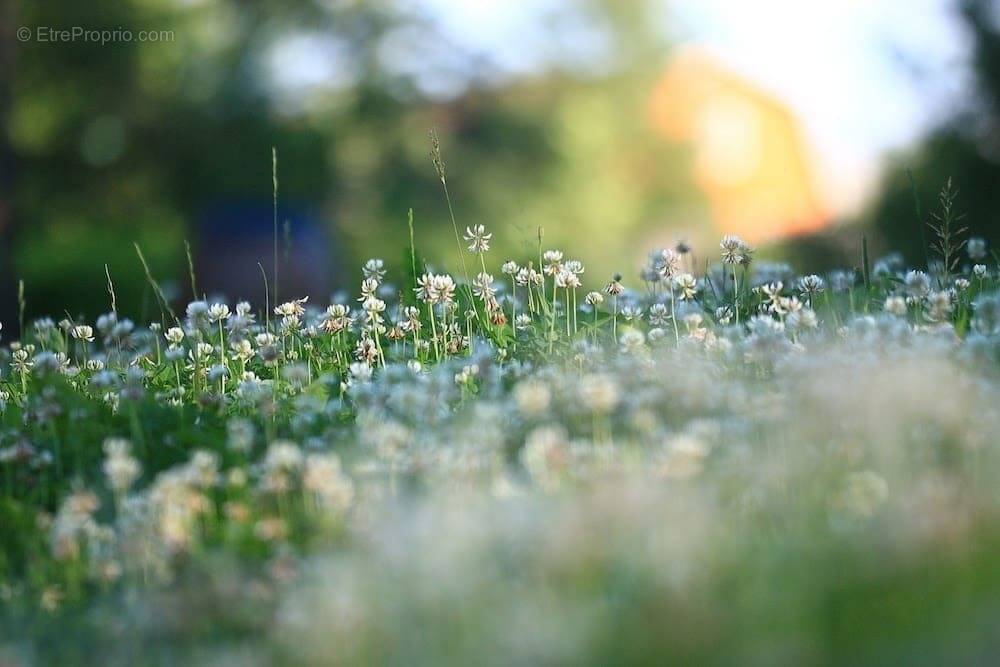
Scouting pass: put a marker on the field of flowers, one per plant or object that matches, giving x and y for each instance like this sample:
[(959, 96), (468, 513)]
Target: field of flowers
[(718, 461)]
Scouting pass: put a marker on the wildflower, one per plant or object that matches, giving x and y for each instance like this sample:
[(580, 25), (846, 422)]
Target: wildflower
[(283, 459), (546, 455), (369, 287), (532, 398), (218, 312), (240, 434), (373, 308), (895, 305), (567, 279), (734, 249), (292, 308), (174, 335), (962, 284), (509, 267), (939, 305), (668, 263), (659, 315), (553, 261), (615, 288), (803, 318), (687, 284), (841, 281), (197, 314), (337, 318), (322, 475), (594, 299), (632, 341), (976, 247), (631, 313), (478, 239), (360, 371), (468, 374), (120, 467), (599, 393), (74, 524), (987, 314), (83, 332), (522, 321), (374, 269), (528, 276), (810, 285), (979, 270), (917, 283), (482, 286), (20, 361), (366, 350)]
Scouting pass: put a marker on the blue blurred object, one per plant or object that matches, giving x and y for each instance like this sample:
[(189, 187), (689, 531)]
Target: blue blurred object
[(233, 237)]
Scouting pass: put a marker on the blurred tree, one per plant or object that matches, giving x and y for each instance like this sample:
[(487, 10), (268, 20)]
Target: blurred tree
[(159, 141), (966, 149)]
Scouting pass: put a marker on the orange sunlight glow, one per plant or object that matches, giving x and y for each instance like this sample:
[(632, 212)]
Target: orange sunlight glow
[(749, 156)]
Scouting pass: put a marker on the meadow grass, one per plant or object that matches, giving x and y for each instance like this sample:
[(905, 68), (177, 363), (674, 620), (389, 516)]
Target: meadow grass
[(730, 463)]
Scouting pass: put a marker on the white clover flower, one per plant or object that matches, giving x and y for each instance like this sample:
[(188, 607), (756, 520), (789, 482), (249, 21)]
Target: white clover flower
[(83, 332), (120, 468), (369, 286), (482, 286), (360, 371), (668, 263), (265, 339), (632, 340), (734, 249), (614, 287), (553, 262), (174, 335), (917, 283), (478, 239), (979, 270), (594, 298), (599, 392), (565, 278), (323, 476), (546, 455), (509, 267), (373, 306), (631, 313), (976, 247), (374, 269), (687, 284), (292, 308), (810, 285), (218, 312), (659, 314), (895, 305), (532, 398), (803, 318)]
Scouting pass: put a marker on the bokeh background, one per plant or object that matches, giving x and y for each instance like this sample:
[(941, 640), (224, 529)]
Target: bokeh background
[(615, 125)]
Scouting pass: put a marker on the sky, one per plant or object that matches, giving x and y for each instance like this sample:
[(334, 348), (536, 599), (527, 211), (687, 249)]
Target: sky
[(865, 77)]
